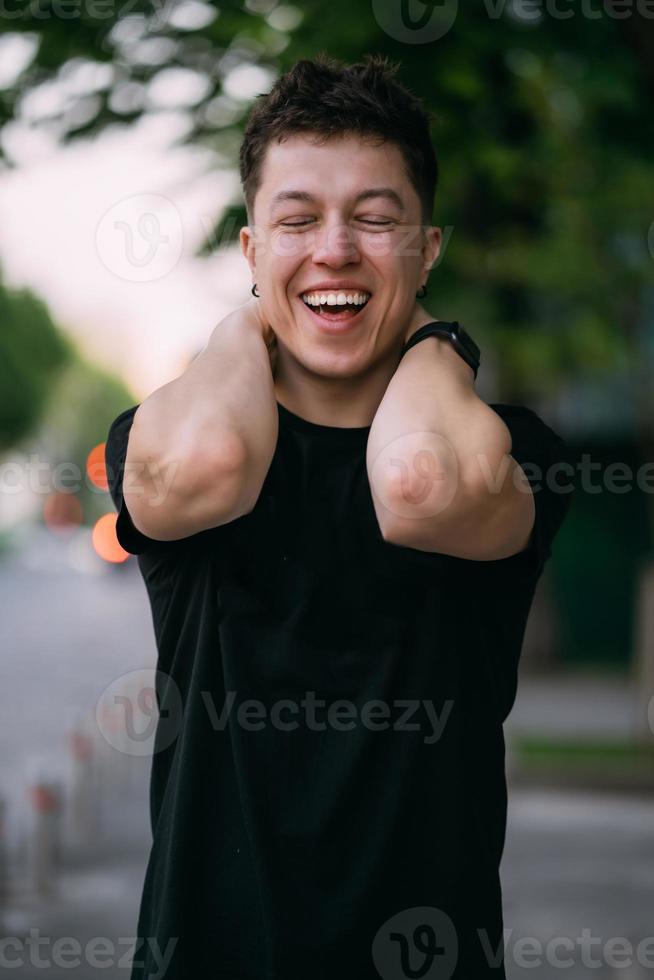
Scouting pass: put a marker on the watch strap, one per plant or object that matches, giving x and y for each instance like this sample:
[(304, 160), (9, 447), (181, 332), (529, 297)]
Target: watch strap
[(460, 339)]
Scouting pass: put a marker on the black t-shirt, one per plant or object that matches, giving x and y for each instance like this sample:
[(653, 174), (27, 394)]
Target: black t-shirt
[(333, 804)]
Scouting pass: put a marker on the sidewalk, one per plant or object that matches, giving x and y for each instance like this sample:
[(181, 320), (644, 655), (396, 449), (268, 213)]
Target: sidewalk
[(579, 730), (575, 704), (91, 912)]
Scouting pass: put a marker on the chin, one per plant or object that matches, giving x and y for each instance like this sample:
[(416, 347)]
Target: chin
[(329, 364)]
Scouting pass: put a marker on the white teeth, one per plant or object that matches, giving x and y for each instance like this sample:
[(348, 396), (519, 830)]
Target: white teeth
[(335, 299)]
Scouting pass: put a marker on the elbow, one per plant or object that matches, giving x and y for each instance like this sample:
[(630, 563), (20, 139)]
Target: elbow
[(184, 493), (414, 492)]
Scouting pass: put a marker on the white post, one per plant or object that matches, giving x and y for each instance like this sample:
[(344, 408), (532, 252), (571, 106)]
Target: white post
[(81, 796), (4, 864), (44, 795), (644, 658)]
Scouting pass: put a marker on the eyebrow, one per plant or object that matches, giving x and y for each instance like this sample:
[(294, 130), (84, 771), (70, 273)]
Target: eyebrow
[(386, 192)]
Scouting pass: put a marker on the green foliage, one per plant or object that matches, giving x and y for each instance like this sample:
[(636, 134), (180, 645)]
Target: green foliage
[(541, 131), (81, 407), (50, 394), (32, 354)]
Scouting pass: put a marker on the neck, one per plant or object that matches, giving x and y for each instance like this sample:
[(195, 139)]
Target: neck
[(344, 402)]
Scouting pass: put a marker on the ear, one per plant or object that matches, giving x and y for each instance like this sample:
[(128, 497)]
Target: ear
[(247, 240), (431, 248)]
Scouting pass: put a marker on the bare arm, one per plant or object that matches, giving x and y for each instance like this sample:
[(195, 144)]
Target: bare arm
[(201, 445), (439, 461)]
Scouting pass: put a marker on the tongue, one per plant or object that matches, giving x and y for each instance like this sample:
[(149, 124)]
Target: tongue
[(339, 312)]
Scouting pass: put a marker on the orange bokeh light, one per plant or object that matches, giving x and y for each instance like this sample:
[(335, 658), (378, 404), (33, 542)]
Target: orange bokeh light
[(62, 511), (95, 467), (105, 541)]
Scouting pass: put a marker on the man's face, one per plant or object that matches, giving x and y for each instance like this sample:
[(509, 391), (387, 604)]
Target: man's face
[(314, 228)]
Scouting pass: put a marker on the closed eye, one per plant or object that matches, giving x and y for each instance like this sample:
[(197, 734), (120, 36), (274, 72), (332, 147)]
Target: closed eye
[(306, 221)]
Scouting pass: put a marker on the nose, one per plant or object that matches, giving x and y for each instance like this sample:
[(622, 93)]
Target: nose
[(335, 244)]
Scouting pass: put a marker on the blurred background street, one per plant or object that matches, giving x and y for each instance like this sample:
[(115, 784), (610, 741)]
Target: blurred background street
[(121, 207)]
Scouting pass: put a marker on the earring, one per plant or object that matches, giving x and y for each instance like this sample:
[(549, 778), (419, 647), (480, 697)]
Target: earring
[(420, 294), (254, 290)]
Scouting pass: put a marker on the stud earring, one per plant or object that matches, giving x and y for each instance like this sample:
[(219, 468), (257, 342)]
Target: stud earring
[(420, 294)]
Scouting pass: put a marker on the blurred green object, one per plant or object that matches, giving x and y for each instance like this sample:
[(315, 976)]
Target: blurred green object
[(51, 399), (32, 354), (596, 763), (595, 563), (81, 407), (573, 751)]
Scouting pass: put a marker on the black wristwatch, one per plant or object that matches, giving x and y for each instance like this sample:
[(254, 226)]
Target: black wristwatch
[(461, 341)]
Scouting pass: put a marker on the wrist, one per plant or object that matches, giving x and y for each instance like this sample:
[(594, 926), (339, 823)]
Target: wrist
[(438, 351), (235, 332)]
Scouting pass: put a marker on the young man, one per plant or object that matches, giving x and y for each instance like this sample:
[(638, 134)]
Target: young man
[(340, 549)]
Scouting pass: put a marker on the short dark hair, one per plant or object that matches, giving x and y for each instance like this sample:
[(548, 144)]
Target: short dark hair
[(328, 98)]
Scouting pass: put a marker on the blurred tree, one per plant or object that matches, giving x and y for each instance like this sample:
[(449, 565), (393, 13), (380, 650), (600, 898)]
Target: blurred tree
[(49, 394), (81, 407), (32, 353), (546, 194)]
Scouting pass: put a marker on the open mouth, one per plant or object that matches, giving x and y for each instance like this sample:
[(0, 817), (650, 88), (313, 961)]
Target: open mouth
[(343, 306)]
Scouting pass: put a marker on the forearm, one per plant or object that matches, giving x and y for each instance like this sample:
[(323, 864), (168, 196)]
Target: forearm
[(433, 441), (208, 436)]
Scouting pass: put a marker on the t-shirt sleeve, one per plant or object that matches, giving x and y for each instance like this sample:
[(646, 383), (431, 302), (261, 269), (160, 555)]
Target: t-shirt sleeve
[(548, 462), (129, 537)]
